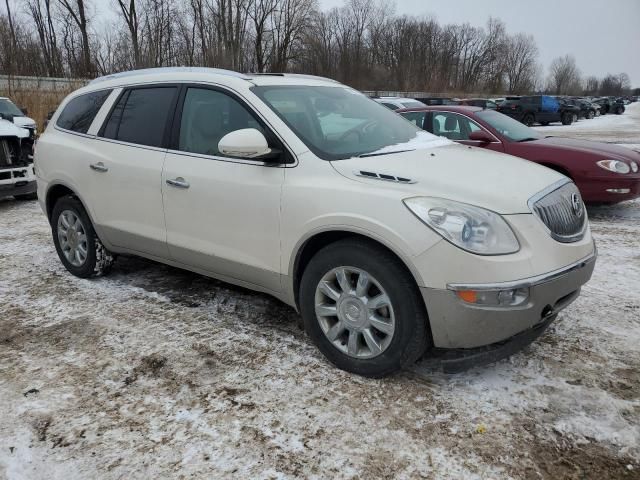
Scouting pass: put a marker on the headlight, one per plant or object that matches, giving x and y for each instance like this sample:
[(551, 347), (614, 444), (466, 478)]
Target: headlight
[(615, 166), (466, 226), (634, 166)]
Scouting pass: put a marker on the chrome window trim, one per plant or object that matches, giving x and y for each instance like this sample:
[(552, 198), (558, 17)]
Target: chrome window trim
[(530, 281), (129, 144), (244, 161)]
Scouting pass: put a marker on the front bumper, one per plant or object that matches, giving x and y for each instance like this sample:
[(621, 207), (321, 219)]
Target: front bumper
[(18, 188), (599, 189), (17, 181), (457, 324)]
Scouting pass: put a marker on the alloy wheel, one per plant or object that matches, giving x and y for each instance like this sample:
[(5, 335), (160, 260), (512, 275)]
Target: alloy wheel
[(72, 237), (354, 312)]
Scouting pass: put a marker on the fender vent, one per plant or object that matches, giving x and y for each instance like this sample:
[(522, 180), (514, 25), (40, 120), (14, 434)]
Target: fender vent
[(383, 176)]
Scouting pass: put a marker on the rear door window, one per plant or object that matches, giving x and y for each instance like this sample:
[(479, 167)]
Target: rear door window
[(79, 113), (141, 115)]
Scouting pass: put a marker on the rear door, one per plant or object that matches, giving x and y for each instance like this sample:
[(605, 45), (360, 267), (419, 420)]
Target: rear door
[(126, 175), (222, 214)]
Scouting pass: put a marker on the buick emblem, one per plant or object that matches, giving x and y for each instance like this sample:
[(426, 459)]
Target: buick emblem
[(576, 205)]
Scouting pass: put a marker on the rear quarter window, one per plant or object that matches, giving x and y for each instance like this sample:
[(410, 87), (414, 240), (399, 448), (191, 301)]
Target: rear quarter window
[(79, 112)]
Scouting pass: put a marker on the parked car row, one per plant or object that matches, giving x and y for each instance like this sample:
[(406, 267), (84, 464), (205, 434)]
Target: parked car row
[(530, 110)]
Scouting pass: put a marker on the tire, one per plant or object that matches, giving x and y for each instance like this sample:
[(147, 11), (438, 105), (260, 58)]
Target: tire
[(544, 124), (405, 309), (618, 111), (26, 196), (567, 119), (528, 120), (590, 115), (97, 260)]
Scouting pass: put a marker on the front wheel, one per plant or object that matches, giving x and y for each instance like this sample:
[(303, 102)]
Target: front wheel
[(362, 309), (528, 120), (79, 248), (567, 119), (590, 115)]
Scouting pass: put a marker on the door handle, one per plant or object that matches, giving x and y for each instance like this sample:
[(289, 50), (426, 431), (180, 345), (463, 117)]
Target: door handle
[(99, 167), (178, 183)]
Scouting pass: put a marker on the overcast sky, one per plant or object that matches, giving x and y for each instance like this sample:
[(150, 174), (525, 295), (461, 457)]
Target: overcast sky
[(603, 35)]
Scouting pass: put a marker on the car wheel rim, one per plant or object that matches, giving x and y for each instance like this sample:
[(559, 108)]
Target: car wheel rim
[(72, 237), (354, 312)]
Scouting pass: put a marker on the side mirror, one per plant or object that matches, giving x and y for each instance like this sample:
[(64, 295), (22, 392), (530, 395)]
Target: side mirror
[(480, 136), (246, 143)]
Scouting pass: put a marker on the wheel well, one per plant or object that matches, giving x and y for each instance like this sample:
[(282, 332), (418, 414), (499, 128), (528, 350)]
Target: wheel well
[(558, 169), (321, 240), (56, 192)]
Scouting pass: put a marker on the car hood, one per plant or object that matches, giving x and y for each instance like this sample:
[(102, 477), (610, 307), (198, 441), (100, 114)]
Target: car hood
[(24, 122), (8, 129), (491, 180), (603, 150)]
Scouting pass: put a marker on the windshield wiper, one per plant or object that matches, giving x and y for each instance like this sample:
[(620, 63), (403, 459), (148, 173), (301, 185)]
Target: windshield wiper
[(528, 139), (384, 153)]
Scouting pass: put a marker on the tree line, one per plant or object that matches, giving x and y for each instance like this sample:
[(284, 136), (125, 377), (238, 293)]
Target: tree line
[(363, 44)]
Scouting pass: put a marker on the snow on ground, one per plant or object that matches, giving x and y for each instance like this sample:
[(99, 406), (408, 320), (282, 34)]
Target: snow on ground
[(613, 128), (154, 372)]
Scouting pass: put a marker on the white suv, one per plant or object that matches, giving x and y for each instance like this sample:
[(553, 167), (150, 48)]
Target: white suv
[(388, 240)]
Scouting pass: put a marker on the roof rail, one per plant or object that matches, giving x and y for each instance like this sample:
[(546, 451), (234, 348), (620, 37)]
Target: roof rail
[(151, 71), (295, 75)]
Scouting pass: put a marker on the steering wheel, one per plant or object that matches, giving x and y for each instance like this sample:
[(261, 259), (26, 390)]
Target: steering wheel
[(359, 130)]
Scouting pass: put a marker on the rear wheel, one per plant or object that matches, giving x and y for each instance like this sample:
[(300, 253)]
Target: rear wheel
[(619, 111), (362, 309), (567, 119), (590, 114), (79, 248), (528, 120)]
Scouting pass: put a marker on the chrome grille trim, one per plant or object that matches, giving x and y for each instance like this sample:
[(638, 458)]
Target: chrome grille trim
[(553, 206)]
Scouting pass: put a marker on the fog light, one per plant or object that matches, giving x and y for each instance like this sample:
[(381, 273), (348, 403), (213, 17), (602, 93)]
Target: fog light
[(618, 190), (497, 298)]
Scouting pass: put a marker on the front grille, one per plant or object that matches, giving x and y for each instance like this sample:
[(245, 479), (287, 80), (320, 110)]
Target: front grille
[(562, 211)]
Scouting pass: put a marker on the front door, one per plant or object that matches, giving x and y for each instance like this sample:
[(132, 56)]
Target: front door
[(222, 214)]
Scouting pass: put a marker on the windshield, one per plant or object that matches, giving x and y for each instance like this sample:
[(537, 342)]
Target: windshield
[(8, 108), (337, 122), (508, 127)]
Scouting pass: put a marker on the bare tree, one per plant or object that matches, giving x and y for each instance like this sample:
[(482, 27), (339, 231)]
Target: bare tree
[(77, 12), (130, 15), (564, 76), (520, 64)]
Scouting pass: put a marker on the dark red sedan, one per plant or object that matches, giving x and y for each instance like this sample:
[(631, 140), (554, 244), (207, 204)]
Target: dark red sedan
[(604, 173)]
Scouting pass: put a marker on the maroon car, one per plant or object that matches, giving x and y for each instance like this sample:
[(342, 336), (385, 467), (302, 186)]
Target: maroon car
[(604, 173)]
